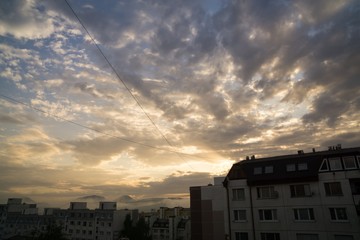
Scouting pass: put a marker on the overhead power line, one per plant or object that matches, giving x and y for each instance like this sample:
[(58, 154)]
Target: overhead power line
[(117, 74), (122, 81), (10, 99)]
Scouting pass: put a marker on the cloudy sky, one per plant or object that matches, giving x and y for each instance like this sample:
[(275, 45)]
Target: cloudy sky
[(192, 87)]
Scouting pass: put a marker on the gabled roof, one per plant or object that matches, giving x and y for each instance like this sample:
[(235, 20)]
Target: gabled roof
[(245, 169)]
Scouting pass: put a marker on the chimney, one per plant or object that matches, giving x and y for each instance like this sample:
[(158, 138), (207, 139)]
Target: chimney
[(300, 152), (313, 150)]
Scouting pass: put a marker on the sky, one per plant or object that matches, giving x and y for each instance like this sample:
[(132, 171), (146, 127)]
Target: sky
[(143, 99)]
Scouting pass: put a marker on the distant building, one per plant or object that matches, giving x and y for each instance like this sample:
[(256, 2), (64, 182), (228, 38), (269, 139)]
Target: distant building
[(78, 222), (209, 214), (305, 196), (169, 223)]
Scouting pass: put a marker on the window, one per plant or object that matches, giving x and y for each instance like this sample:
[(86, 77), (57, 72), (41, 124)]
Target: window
[(270, 236), (267, 214), (338, 214), (239, 215), (307, 236), (266, 192), (269, 169), (335, 164), (290, 168), (257, 170), (238, 194), (324, 166), (302, 166), (333, 189), (84, 223), (355, 186), (304, 214), (241, 236), (300, 190), (349, 162)]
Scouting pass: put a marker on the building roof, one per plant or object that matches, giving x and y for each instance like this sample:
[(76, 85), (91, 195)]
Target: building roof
[(274, 169)]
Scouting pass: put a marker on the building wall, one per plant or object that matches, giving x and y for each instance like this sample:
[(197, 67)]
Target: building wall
[(209, 219), (284, 204)]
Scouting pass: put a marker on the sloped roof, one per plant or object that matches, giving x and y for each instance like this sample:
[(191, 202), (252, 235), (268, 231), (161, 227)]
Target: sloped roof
[(245, 169)]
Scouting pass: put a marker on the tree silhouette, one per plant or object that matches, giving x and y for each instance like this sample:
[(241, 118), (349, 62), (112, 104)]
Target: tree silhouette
[(53, 232), (138, 232)]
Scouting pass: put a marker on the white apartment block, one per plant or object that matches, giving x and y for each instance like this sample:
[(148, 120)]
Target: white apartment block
[(170, 224), (78, 222), (103, 223), (307, 196)]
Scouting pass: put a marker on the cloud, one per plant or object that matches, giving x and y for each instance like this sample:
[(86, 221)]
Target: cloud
[(25, 19), (220, 82), (93, 151)]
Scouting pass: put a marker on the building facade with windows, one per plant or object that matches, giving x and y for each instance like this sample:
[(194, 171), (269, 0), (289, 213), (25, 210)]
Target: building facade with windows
[(170, 224), (307, 196), (19, 219)]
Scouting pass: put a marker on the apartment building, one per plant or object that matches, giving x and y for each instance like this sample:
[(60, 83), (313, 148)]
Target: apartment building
[(77, 222), (20, 218), (170, 224), (305, 196), (209, 214)]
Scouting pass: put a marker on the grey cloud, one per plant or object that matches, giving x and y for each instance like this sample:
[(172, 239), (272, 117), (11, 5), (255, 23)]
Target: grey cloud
[(327, 108), (350, 139), (93, 151), (16, 118), (24, 19), (92, 90)]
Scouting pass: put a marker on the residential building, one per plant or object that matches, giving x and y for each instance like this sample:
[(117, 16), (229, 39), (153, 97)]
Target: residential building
[(314, 196), (170, 224), (77, 222), (209, 214)]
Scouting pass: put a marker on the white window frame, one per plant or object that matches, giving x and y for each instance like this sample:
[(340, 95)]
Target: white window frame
[(299, 212), (271, 194), (290, 167), (258, 170), (269, 169), (331, 192), (307, 190), (325, 161), (275, 236), (274, 217), (333, 166), (302, 166), (349, 158), (238, 236), (240, 213), (236, 196), (336, 215)]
